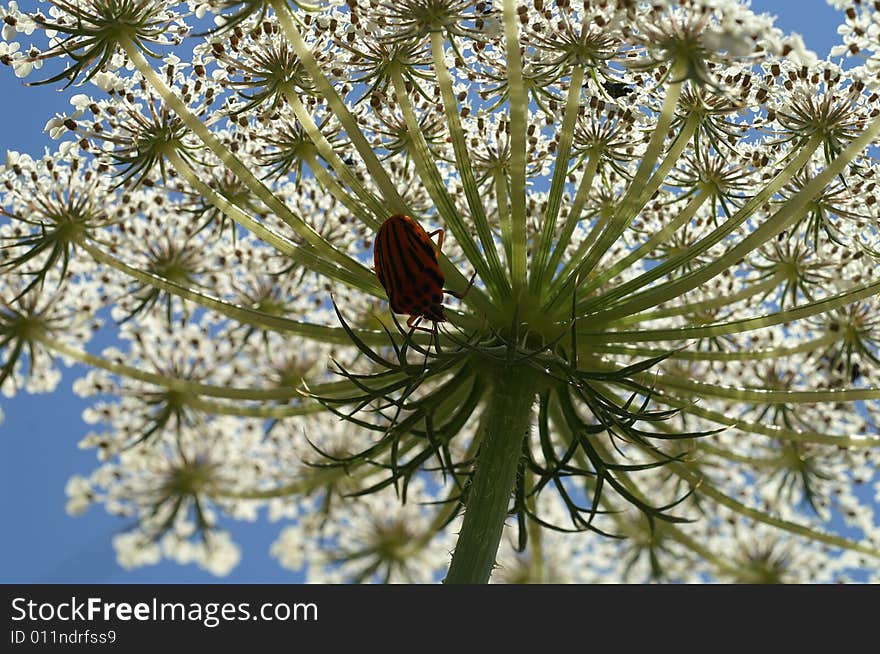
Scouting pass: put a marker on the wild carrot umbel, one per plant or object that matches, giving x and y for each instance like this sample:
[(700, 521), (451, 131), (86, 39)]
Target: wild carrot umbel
[(669, 365)]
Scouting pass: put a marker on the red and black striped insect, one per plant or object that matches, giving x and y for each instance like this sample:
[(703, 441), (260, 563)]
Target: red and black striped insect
[(408, 268)]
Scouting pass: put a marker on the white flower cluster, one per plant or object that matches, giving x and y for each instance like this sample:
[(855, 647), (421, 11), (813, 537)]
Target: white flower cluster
[(670, 208)]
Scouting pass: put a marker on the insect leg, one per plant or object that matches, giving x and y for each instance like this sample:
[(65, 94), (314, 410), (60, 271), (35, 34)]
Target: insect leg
[(440, 234), (413, 323), (465, 291)]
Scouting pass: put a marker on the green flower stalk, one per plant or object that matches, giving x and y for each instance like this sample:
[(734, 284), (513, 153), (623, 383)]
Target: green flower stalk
[(667, 369)]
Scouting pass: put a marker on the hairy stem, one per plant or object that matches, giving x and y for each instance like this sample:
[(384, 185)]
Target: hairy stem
[(504, 425)]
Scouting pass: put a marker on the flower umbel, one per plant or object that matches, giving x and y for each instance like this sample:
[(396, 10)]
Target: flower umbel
[(667, 369)]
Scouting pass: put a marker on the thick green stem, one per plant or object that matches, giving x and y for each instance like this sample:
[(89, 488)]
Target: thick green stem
[(504, 426)]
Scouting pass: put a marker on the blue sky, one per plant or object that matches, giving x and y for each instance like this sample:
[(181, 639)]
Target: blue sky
[(38, 439)]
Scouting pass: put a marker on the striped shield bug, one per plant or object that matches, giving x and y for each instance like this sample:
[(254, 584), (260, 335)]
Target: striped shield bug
[(408, 268)]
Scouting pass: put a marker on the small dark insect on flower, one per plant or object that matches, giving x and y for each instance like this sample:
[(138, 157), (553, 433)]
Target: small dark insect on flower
[(408, 268), (856, 373), (617, 89)]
